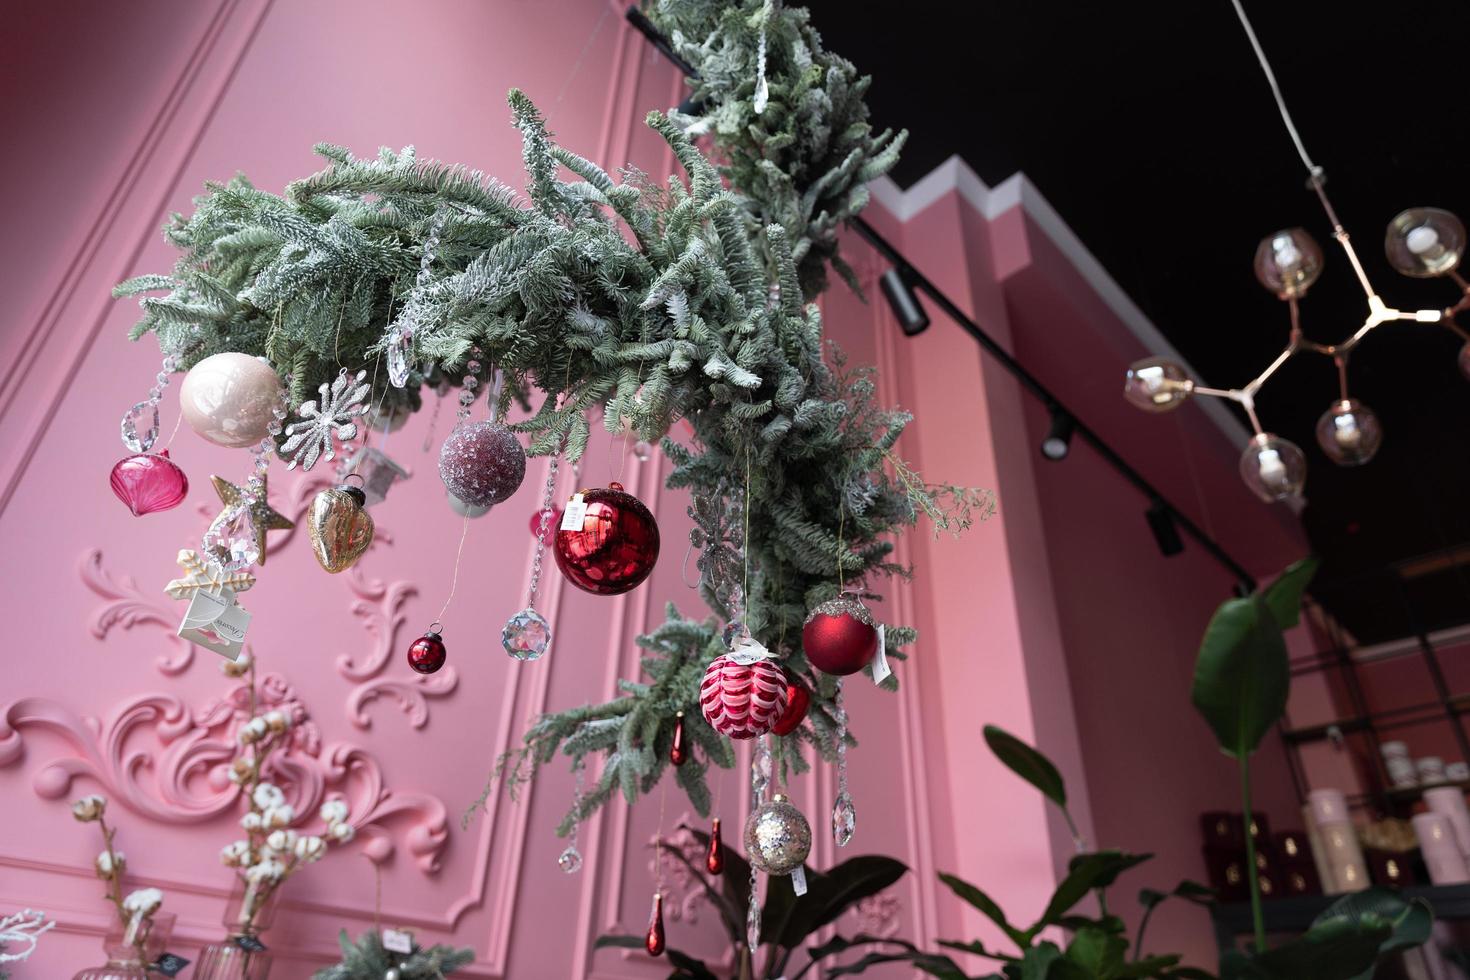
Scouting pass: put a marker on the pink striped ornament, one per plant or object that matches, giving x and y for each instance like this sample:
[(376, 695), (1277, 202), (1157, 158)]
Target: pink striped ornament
[(742, 700)]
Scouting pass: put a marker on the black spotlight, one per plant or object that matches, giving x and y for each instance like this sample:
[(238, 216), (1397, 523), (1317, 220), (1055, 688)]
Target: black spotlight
[(1166, 533), (906, 307), (1058, 441)]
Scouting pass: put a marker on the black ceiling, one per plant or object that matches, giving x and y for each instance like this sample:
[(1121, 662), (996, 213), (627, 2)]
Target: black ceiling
[(1150, 129)]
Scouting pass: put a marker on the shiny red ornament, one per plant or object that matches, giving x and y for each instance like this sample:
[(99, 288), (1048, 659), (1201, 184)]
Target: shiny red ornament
[(654, 941), (840, 636), (149, 482), (427, 654), (551, 523), (797, 701), (714, 861), (742, 700), (678, 755), (616, 547)]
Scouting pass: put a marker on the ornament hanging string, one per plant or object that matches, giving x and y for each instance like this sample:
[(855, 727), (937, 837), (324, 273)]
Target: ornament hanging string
[(454, 581), (175, 431)]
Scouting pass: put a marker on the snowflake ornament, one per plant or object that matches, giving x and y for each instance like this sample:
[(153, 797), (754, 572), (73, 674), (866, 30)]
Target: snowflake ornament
[(341, 402)]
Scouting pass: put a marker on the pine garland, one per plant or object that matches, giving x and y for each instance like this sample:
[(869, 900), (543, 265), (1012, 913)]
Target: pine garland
[(694, 318), (366, 959)]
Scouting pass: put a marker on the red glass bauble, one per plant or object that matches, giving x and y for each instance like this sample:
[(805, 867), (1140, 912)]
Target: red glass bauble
[(427, 654), (654, 941), (742, 700), (714, 861), (797, 701), (551, 523), (149, 482), (616, 547), (678, 752), (840, 636)]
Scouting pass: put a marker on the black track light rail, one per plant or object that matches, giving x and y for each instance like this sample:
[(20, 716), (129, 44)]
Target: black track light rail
[(917, 280)]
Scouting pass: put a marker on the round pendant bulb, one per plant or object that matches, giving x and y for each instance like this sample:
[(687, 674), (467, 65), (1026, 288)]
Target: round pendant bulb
[(1272, 467), (1424, 242), (1288, 262), (1349, 433), (1156, 384)]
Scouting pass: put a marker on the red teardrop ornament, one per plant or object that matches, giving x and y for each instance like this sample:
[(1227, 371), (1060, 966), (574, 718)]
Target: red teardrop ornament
[(427, 654), (797, 701), (654, 941), (615, 548), (678, 755), (714, 861)]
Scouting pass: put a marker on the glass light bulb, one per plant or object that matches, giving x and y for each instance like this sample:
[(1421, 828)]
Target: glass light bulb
[(1424, 242), (1349, 433), (1288, 262), (1157, 384), (1272, 467)]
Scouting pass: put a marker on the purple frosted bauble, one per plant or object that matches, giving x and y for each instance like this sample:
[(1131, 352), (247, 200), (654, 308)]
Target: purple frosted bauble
[(482, 463)]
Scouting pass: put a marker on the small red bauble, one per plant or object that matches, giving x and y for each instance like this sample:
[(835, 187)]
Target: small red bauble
[(427, 654), (840, 636), (797, 701), (616, 547), (742, 700), (149, 482), (678, 753)]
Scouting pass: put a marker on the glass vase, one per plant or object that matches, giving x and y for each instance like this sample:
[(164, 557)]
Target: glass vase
[(241, 955), (124, 960)]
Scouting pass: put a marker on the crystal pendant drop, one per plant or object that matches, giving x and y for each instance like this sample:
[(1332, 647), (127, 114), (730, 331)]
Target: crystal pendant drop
[(232, 541), (570, 860), (526, 635), (140, 442), (714, 861), (642, 450), (844, 819), (398, 367), (753, 920)]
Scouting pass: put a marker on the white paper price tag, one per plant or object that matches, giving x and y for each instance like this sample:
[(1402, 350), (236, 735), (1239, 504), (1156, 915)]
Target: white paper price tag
[(396, 941), (798, 880), (881, 670), (216, 622), (576, 512), (747, 650)]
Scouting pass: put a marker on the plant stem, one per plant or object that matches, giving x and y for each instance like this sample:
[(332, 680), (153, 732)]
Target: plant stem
[(1258, 919), (1142, 926)]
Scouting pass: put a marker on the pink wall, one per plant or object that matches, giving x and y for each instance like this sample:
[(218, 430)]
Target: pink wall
[(1036, 621)]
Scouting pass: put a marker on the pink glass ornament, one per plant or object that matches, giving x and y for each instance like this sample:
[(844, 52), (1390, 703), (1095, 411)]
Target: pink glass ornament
[(149, 482), (742, 700), (227, 399)]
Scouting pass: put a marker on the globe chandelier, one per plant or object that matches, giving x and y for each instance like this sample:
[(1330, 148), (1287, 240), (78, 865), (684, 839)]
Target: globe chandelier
[(1420, 242)]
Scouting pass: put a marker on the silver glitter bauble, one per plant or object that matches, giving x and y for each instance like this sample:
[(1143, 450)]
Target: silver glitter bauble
[(777, 837), (482, 463)]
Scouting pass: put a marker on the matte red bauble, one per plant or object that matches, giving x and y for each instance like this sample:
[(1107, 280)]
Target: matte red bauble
[(427, 653), (616, 547), (149, 482), (797, 701), (840, 636), (742, 700)]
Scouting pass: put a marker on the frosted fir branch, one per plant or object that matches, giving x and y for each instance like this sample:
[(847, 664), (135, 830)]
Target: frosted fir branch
[(948, 506)]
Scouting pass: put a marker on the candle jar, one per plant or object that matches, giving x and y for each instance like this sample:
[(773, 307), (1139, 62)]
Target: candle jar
[(250, 911), (125, 960)]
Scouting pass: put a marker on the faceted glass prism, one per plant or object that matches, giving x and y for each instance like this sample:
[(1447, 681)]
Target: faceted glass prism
[(147, 414), (570, 860), (398, 366), (526, 635), (232, 541), (844, 819)]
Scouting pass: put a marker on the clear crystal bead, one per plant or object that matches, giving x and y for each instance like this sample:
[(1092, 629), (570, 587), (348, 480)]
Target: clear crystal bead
[(753, 920), (642, 449), (844, 819), (146, 413), (232, 541), (526, 635), (398, 367), (570, 860), (733, 631)]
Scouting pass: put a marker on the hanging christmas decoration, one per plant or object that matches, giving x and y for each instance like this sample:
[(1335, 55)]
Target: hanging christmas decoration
[(608, 541), (331, 416), (482, 463), (570, 859), (527, 634), (378, 472), (227, 398), (213, 619), (678, 755), (149, 482), (797, 702), (146, 412), (777, 837), (844, 813), (240, 529), (340, 529), (401, 333), (200, 575), (714, 858), (839, 636), (543, 523), (427, 654), (654, 940), (742, 700)]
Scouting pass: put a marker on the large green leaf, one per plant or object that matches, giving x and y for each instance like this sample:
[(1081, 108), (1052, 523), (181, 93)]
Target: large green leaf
[(1086, 872), (1097, 951), (934, 964), (1027, 763), (1190, 891), (1242, 676), (987, 906), (1284, 596), (1337, 949), (828, 895), (1411, 922)]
